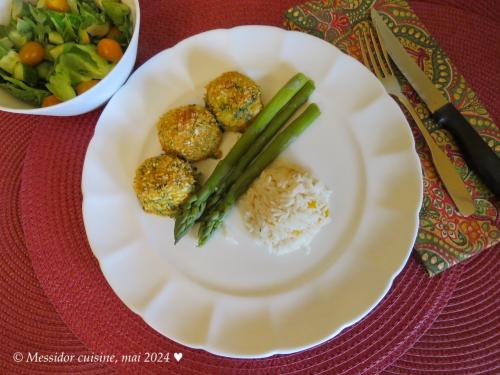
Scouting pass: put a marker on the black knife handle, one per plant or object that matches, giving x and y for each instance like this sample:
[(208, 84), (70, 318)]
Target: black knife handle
[(478, 155)]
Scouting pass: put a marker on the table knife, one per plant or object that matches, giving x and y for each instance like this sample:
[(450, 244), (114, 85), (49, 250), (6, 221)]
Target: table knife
[(478, 155)]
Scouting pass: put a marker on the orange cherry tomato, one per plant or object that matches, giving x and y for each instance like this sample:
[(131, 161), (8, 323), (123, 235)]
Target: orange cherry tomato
[(50, 100), (32, 53), (109, 49), (114, 33), (84, 86), (58, 5)]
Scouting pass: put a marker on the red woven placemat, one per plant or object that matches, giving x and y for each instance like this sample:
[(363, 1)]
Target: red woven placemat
[(27, 318), (465, 338), (76, 286), (71, 279)]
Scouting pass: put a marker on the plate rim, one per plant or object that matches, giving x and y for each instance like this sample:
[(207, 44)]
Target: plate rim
[(276, 351)]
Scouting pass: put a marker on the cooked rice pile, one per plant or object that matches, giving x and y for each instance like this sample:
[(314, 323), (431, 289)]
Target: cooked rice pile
[(285, 208)]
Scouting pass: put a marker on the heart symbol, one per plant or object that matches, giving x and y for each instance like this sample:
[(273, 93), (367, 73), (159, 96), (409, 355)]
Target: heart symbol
[(178, 356)]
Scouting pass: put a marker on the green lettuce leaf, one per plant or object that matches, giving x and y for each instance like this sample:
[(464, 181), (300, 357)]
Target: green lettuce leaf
[(60, 84), (118, 12), (19, 8), (22, 91)]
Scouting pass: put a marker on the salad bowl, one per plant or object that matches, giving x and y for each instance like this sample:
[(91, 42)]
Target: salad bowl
[(94, 97)]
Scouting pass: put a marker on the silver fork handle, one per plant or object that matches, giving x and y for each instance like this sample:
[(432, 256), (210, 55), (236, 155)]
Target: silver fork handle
[(445, 169)]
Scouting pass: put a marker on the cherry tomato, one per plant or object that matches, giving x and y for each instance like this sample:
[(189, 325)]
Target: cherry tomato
[(114, 33), (109, 49), (84, 86), (50, 100), (58, 5), (32, 53)]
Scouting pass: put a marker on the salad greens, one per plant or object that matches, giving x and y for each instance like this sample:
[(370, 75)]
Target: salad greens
[(45, 51)]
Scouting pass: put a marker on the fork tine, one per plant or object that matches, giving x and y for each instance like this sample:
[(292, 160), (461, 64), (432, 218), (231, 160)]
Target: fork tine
[(380, 59), (366, 61), (373, 59), (386, 59)]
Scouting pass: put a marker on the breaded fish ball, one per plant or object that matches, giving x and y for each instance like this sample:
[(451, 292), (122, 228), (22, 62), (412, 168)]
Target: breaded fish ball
[(234, 99), (191, 132), (163, 183)]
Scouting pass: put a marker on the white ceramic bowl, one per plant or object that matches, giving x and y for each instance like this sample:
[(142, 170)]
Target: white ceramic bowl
[(94, 97)]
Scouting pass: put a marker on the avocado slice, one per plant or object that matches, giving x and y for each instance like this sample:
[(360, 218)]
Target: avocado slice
[(9, 61), (55, 38), (25, 73), (44, 69)]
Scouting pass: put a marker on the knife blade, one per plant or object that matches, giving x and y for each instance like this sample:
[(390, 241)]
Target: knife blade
[(478, 155)]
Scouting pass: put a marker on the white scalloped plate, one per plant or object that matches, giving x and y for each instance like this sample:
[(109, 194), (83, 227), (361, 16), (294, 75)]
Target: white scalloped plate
[(235, 299)]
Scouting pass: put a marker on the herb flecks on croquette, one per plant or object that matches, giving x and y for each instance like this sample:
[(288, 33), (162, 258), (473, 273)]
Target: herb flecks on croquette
[(234, 99), (191, 132), (162, 183)]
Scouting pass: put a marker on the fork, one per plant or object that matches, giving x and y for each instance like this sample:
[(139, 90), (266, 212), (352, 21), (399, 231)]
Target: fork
[(375, 56)]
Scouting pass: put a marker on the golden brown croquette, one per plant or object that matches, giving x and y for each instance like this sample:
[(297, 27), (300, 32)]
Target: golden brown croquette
[(162, 183), (234, 99), (191, 132)]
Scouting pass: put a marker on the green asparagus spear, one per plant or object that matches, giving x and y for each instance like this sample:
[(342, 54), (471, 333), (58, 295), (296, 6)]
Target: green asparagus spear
[(194, 207), (216, 216), (278, 121)]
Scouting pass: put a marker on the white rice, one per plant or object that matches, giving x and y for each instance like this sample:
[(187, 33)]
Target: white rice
[(285, 208)]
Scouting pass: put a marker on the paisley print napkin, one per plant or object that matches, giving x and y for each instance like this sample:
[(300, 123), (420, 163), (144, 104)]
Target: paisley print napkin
[(445, 237)]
